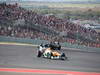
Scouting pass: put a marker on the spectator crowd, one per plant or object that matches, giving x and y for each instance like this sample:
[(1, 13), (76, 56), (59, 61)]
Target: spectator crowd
[(16, 21)]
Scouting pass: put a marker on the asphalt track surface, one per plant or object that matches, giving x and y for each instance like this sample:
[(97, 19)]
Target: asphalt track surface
[(12, 56)]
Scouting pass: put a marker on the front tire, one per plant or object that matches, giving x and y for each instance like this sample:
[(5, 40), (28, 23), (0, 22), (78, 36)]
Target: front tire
[(39, 54)]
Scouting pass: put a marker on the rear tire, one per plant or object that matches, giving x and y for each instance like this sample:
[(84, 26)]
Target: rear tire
[(59, 48), (63, 56)]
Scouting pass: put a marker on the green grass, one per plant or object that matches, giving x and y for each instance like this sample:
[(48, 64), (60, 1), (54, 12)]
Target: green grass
[(59, 5)]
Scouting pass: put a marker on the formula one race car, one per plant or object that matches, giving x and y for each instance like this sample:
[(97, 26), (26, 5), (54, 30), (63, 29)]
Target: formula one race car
[(51, 54)]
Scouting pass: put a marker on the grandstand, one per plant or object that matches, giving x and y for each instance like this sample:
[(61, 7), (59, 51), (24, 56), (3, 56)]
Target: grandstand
[(16, 21)]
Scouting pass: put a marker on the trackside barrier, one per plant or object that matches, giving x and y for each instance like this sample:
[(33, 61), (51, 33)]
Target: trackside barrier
[(38, 42), (22, 40), (80, 47)]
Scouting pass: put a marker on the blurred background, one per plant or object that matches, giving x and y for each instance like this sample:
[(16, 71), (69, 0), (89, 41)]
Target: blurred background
[(73, 23)]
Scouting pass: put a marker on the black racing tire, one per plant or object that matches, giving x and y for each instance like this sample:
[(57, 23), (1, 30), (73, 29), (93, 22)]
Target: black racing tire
[(59, 48), (63, 56), (39, 54)]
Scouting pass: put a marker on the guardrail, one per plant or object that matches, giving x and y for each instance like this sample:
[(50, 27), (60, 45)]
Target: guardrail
[(38, 42), (22, 40)]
